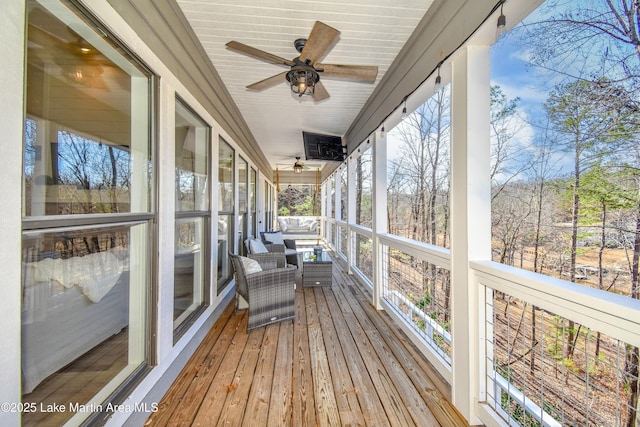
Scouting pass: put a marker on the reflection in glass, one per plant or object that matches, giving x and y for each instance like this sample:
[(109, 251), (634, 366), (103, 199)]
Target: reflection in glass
[(251, 223), (225, 237), (225, 177), (189, 269), (86, 134), (226, 194), (191, 139), (243, 204), (86, 155), (242, 185), (192, 197), (77, 327)]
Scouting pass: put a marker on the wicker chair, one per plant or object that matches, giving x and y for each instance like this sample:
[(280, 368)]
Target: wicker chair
[(289, 248), (273, 248), (270, 293)]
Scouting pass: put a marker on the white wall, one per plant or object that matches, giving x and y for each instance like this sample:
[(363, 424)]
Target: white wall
[(11, 128)]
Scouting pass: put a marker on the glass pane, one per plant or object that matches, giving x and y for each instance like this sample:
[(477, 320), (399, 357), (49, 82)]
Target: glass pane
[(253, 181), (87, 147), (242, 222), (225, 245), (77, 326), (331, 210), (189, 269), (226, 163), (242, 185), (192, 161)]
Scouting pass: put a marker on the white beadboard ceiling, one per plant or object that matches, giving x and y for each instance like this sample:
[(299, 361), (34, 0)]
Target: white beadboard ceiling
[(372, 33)]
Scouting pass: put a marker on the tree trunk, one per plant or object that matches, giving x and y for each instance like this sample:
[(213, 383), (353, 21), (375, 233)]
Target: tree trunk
[(633, 359), (568, 353)]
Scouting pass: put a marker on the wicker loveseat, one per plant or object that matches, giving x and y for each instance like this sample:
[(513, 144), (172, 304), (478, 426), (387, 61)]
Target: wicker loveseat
[(270, 293)]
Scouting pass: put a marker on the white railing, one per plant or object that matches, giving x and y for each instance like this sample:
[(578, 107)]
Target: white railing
[(502, 385), (502, 394), (362, 266), (421, 324), (557, 389), (431, 326)]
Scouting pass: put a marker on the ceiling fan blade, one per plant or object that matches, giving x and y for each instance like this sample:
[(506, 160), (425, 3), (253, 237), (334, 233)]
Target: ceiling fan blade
[(367, 73), (259, 54), (320, 92), (268, 82), (320, 41)]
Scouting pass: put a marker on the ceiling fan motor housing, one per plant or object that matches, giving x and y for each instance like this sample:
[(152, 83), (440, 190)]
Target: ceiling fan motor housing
[(299, 44)]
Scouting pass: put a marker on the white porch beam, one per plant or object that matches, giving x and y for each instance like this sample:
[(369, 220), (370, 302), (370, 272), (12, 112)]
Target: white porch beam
[(351, 211), (379, 202)]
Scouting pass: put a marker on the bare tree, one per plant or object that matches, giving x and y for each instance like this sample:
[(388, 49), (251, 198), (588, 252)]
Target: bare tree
[(508, 160)]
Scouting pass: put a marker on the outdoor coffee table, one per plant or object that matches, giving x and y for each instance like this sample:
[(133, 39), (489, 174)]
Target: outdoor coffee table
[(316, 270)]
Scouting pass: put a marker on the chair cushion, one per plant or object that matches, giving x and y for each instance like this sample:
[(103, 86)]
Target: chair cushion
[(283, 224), (275, 238), (257, 247), (250, 266)]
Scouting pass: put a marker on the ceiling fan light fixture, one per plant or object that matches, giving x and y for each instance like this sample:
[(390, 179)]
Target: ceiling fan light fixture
[(297, 166), (303, 79)]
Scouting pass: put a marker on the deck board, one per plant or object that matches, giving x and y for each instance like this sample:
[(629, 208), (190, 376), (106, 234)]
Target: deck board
[(344, 390), (370, 403), (238, 391), (213, 401), (280, 410), (340, 362), (304, 412)]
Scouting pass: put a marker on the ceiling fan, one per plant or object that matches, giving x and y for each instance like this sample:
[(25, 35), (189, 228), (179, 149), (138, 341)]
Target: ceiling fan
[(305, 70), (79, 62), (298, 166)]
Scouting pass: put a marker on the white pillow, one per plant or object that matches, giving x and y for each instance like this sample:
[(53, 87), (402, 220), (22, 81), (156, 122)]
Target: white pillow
[(257, 247), (251, 266), (275, 238), (283, 224)]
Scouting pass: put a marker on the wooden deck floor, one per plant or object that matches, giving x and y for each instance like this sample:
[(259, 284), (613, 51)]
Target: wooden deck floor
[(339, 363)]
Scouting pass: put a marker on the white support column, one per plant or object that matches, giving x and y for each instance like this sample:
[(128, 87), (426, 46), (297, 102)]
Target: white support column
[(338, 199), (338, 208), (470, 218), (260, 202), (351, 211), (323, 209), (379, 203)]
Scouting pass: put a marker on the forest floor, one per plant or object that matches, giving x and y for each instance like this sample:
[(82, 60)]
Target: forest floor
[(531, 346)]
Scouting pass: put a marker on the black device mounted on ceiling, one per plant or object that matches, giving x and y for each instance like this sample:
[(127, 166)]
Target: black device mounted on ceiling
[(323, 147)]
